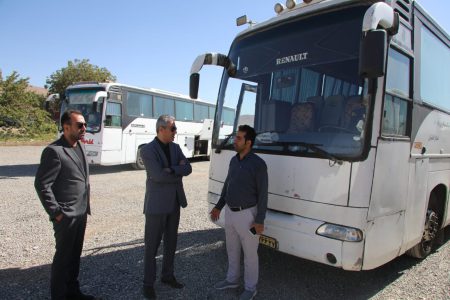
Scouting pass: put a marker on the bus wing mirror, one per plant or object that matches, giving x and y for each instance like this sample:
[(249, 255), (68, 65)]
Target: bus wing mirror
[(372, 54), (194, 81), (208, 59), (98, 95), (101, 94)]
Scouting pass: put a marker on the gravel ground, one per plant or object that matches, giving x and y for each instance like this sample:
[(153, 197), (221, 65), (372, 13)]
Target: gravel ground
[(112, 261)]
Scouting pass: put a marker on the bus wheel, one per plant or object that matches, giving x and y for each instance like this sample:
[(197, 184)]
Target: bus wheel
[(424, 248), (139, 164)]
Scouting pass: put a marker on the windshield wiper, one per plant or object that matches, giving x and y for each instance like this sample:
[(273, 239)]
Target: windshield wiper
[(309, 146), (315, 148), (224, 142)]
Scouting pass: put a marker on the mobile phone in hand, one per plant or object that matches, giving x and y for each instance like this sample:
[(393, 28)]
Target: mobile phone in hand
[(252, 230)]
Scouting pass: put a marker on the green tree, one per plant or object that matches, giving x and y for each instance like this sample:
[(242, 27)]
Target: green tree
[(76, 71), (21, 111)]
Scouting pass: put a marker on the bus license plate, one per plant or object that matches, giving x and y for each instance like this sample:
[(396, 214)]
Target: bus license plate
[(268, 241)]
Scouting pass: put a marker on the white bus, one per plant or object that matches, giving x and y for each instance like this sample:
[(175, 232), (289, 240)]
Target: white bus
[(122, 118), (351, 102)]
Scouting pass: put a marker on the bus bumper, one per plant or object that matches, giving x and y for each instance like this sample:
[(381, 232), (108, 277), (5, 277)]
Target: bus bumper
[(297, 236)]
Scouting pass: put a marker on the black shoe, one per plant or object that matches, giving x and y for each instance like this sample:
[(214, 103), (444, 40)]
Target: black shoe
[(149, 292), (172, 282)]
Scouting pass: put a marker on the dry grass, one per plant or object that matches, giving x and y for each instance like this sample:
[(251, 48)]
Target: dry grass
[(18, 137)]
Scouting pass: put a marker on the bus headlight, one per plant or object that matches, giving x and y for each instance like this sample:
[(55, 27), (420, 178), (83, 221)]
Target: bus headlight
[(91, 153), (338, 232)]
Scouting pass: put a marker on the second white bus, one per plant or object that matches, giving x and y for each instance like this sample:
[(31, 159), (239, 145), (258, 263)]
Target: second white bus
[(121, 119)]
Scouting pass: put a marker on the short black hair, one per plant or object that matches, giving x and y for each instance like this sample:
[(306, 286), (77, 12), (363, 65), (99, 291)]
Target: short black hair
[(250, 133), (65, 118)]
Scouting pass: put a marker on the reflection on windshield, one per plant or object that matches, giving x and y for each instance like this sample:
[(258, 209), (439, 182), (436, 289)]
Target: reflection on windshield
[(83, 101), (316, 105)]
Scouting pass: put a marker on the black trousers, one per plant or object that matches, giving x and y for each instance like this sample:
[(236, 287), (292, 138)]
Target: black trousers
[(69, 237), (156, 227)]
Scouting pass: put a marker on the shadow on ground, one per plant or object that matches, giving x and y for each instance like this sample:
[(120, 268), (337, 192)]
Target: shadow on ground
[(13, 171), (116, 272)]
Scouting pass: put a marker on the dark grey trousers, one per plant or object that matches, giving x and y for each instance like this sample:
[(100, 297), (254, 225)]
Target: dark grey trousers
[(69, 237), (157, 227)]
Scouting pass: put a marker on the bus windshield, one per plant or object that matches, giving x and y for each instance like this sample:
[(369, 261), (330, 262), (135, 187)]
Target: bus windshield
[(83, 100), (297, 84)]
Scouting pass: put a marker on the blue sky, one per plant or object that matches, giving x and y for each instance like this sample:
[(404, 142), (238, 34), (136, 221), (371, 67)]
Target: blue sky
[(143, 43)]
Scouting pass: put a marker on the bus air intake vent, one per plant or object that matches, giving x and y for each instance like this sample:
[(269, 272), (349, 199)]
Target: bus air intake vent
[(404, 9), (115, 89)]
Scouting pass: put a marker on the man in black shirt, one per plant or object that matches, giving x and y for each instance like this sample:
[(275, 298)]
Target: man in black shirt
[(245, 193)]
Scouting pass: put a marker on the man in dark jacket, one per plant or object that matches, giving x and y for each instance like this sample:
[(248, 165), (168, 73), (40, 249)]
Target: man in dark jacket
[(62, 184), (166, 165)]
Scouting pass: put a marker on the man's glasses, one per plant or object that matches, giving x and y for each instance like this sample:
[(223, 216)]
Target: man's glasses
[(173, 128), (80, 125)]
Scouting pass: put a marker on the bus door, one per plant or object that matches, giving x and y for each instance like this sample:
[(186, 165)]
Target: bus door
[(129, 144), (386, 217), (416, 204), (112, 133)]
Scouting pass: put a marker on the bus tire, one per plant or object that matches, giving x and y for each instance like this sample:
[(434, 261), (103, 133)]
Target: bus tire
[(139, 164), (430, 232)]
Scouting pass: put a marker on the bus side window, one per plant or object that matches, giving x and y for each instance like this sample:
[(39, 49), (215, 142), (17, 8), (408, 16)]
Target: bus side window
[(113, 116), (397, 101), (108, 121), (395, 116)]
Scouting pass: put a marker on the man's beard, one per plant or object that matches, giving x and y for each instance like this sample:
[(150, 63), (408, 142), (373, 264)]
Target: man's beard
[(78, 136)]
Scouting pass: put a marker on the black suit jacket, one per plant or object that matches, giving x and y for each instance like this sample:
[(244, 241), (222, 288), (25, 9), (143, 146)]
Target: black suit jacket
[(62, 180)]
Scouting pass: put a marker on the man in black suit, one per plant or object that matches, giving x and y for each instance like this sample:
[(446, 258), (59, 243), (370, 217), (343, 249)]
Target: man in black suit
[(166, 165), (62, 184)]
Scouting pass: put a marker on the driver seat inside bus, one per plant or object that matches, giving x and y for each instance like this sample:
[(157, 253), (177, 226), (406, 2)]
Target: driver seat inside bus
[(302, 118), (353, 113), (331, 111), (318, 104)]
